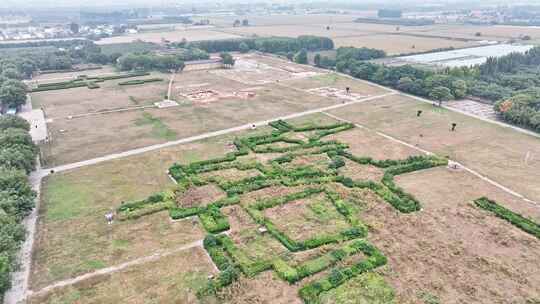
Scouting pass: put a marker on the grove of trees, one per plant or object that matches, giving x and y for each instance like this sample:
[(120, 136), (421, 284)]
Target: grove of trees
[(17, 159)]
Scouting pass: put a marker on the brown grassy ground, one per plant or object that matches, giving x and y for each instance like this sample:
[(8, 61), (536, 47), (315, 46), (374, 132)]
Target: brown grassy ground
[(400, 44), (336, 81), (451, 249), (450, 252), (115, 132), (110, 96), (173, 279), (506, 156), (497, 32), (73, 237)]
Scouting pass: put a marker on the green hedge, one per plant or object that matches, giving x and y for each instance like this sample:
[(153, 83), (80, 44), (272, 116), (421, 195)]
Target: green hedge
[(311, 267), (140, 81), (357, 229), (515, 219), (228, 271), (79, 82), (310, 292)]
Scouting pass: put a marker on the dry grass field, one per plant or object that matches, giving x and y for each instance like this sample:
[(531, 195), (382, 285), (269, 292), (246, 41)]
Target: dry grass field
[(249, 92), (400, 44), (60, 104), (390, 38), (449, 252), (504, 155)]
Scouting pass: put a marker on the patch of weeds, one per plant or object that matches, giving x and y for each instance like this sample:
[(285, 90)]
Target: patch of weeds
[(428, 298), (369, 288), (322, 211), (68, 298), (64, 201), (134, 100), (94, 264), (159, 128), (195, 280), (120, 244), (327, 79)]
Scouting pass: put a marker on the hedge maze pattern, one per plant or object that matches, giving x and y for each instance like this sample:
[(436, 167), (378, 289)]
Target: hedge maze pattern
[(91, 82), (233, 261)]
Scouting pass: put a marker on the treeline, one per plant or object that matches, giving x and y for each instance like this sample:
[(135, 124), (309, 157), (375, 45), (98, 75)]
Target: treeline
[(57, 55), (511, 83), (12, 89), (275, 45), (152, 61), (17, 159)]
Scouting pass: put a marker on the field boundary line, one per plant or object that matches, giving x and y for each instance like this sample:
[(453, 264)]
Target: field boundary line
[(474, 172), (154, 257), (137, 151)]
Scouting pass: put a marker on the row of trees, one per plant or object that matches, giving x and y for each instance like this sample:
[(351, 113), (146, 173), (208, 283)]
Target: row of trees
[(152, 61), (273, 45), (511, 82), (17, 159), (12, 89)]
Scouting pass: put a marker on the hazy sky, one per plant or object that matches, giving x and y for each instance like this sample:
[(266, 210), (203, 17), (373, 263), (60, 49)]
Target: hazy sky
[(146, 3)]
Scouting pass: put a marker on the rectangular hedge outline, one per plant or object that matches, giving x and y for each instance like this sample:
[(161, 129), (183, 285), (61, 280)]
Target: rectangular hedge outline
[(357, 230)]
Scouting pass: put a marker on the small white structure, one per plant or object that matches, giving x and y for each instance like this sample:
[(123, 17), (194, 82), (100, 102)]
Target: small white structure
[(167, 103)]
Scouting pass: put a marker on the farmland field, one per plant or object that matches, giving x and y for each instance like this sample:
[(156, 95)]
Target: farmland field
[(173, 36), (401, 44)]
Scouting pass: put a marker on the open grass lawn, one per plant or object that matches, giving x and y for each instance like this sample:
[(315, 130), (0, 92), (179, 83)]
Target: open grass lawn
[(504, 155)]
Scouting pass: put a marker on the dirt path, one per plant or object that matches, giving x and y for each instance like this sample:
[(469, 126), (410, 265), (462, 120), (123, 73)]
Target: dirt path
[(477, 174), (20, 279), (103, 271)]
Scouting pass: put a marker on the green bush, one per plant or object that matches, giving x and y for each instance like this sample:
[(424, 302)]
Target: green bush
[(140, 81), (515, 219)]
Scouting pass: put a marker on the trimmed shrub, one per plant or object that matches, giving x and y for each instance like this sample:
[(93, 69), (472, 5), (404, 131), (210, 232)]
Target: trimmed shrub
[(525, 224)]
